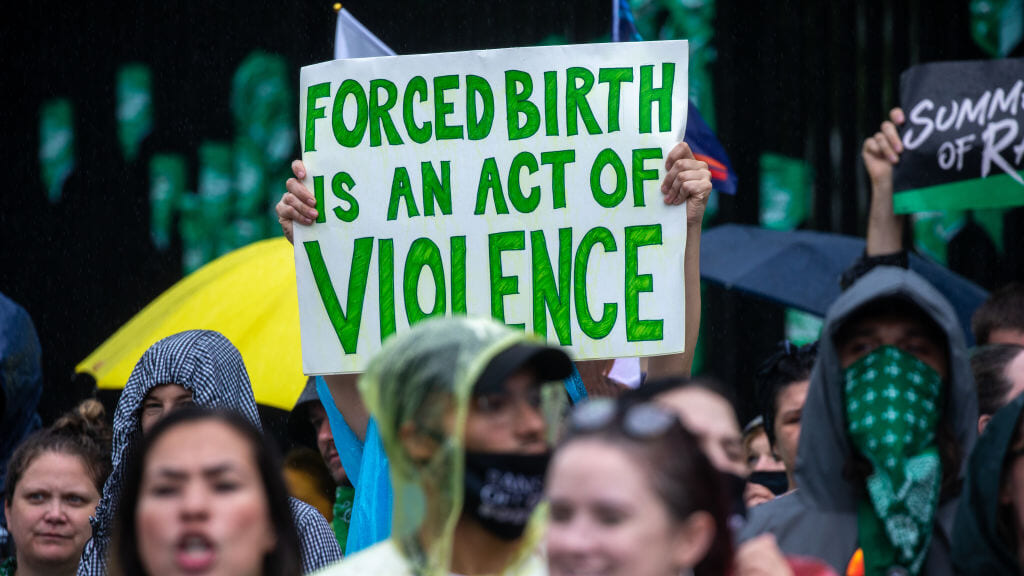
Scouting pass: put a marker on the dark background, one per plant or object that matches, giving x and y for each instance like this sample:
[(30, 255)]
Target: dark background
[(806, 79)]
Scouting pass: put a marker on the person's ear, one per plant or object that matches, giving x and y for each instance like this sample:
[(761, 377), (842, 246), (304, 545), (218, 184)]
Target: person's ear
[(982, 422), (693, 539), (420, 447)]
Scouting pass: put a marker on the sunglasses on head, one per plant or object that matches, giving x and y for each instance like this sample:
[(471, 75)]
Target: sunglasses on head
[(640, 421)]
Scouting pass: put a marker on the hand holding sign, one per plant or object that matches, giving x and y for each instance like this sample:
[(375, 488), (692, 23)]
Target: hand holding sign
[(297, 204), (687, 180), (511, 183)]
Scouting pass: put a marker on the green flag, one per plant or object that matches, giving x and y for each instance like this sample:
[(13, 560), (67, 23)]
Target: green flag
[(785, 192), (166, 188), (997, 25), (215, 167), (134, 107), (56, 145)]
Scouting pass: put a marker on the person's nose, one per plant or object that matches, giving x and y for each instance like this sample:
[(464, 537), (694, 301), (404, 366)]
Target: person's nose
[(323, 432), (573, 538), (195, 502), (55, 512), (530, 424)]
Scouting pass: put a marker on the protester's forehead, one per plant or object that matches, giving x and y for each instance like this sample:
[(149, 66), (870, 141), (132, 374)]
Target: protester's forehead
[(222, 448), (167, 389), (898, 314), (1006, 336)]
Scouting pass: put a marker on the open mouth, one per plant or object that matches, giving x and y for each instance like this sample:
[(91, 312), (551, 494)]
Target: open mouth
[(195, 553)]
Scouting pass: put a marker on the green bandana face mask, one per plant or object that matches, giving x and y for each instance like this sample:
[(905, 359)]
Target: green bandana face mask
[(343, 497), (893, 402)]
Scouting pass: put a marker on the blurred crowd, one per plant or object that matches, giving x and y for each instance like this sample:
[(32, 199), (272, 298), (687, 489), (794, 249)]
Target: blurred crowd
[(887, 447)]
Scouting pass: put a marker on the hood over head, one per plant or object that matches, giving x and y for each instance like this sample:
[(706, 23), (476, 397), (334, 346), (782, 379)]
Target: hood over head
[(426, 376), (205, 363), (824, 446), (21, 378), (980, 545)]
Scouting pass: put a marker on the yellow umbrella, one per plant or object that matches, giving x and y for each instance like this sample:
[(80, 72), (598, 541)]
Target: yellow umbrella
[(248, 295)]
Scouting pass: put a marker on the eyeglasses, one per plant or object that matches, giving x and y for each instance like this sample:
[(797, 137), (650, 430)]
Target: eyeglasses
[(784, 349), (640, 421), (501, 400)]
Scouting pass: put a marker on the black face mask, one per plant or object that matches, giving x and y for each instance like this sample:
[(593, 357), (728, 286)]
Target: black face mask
[(776, 481), (501, 490), (734, 487)]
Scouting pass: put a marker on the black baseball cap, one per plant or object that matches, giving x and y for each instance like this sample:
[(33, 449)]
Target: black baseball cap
[(548, 363)]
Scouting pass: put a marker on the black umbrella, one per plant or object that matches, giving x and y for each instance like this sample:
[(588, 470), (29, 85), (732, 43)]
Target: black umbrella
[(801, 269)]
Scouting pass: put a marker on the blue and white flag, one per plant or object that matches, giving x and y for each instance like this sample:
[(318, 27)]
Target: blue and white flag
[(353, 40)]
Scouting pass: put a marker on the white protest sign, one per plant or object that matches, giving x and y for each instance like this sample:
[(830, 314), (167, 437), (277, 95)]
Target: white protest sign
[(522, 184)]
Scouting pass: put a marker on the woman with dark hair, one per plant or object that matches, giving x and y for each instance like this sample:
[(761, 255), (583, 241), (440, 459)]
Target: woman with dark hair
[(53, 484), (200, 368), (631, 492), (205, 494), (999, 377)]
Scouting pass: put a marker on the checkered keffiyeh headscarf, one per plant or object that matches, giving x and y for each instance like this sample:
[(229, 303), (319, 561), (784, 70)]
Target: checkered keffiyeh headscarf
[(205, 363)]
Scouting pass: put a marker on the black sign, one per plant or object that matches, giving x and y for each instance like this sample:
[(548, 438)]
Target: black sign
[(963, 136)]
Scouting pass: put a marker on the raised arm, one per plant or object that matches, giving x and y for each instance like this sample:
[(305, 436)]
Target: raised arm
[(688, 180), (880, 153), (299, 206)]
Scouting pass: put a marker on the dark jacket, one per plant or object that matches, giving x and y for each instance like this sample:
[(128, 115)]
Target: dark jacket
[(978, 546), (21, 384), (819, 519)]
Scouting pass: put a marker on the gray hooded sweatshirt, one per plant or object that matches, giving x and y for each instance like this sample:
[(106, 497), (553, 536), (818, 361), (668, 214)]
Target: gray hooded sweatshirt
[(819, 519), (208, 365)]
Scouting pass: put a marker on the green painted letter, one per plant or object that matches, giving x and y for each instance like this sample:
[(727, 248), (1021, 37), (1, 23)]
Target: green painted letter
[(401, 188), (503, 285), (641, 174), (341, 186), (380, 113), (490, 181), (558, 159), (523, 204), (386, 286), (478, 128), (638, 330), (576, 101), (419, 134), (318, 194), (458, 244), (518, 87), (346, 325), (614, 77), (663, 96), (313, 112), (423, 252), (443, 108), (546, 292), (344, 136), (605, 158), (596, 329)]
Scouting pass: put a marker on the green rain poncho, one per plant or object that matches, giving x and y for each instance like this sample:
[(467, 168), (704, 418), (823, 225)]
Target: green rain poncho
[(426, 377)]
